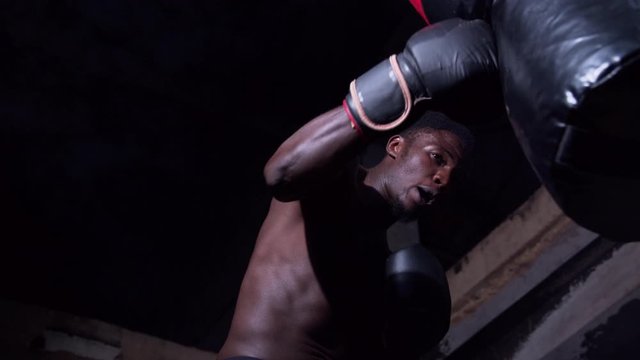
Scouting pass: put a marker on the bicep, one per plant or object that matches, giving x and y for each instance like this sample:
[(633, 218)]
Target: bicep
[(312, 154)]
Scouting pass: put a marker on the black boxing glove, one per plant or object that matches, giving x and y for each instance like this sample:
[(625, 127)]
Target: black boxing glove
[(435, 60), (417, 302)]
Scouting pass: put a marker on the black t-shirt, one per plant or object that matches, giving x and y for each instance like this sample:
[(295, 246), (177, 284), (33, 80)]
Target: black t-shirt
[(346, 226)]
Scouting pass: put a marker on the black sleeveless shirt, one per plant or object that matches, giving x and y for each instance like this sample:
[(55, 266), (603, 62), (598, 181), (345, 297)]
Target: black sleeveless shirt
[(346, 224)]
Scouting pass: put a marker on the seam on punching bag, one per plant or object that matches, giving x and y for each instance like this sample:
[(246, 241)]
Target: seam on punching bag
[(417, 4)]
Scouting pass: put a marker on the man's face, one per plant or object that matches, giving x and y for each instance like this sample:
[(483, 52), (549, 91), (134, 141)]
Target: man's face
[(421, 169)]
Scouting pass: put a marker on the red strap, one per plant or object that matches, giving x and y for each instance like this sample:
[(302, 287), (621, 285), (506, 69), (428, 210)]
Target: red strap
[(417, 4), (354, 123)]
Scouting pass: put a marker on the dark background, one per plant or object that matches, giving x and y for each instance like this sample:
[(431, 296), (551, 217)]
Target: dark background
[(133, 135)]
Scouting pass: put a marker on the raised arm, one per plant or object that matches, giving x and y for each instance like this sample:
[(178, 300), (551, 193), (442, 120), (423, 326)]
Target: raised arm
[(435, 61), (316, 151)]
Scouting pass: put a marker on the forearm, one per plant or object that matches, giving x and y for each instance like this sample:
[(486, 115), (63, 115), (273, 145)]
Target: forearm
[(313, 153)]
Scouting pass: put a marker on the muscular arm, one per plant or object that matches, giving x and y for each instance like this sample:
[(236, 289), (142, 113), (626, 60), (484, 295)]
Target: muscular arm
[(313, 153)]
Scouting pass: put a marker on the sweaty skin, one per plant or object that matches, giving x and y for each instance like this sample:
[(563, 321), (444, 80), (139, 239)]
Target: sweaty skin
[(312, 282)]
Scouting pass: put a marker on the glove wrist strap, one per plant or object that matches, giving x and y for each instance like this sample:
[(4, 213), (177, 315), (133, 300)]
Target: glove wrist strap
[(406, 94)]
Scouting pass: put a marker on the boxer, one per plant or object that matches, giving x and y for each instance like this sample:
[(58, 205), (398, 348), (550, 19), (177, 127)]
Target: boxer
[(317, 285)]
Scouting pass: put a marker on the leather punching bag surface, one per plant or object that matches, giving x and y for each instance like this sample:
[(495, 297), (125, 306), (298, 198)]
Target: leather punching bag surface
[(571, 81)]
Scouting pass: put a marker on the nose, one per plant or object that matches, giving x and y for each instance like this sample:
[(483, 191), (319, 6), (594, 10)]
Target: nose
[(441, 177)]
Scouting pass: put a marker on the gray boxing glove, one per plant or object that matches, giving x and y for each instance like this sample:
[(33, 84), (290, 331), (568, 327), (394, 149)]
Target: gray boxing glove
[(435, 60)]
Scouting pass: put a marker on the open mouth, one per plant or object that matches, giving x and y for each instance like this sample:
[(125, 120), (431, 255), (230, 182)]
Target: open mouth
[(427, 196)]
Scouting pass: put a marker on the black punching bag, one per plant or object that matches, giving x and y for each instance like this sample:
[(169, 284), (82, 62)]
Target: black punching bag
[(570, 73)]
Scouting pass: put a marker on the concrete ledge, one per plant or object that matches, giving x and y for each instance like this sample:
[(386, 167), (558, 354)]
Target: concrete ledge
[(612, 284), (520, 253)]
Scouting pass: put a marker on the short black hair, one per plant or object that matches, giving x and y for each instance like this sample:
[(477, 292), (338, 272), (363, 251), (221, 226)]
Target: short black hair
[(439, 121)]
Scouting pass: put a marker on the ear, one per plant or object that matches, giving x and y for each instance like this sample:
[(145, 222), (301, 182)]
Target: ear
[(394, 145)]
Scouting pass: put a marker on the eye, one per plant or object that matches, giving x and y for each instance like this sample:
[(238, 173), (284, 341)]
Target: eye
[(438, 158)]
